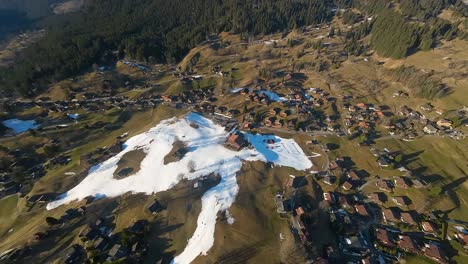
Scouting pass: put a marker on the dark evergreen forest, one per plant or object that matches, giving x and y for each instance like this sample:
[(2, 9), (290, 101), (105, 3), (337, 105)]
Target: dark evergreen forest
[(164, 31)]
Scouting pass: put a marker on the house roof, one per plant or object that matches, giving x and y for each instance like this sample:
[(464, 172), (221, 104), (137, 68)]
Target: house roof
[(347, 185), (408, 218), (353, 175), (383, 185), (428, 226), (402, 200), (383, 237), (377, 197), (401, 182), (435, 252), (407, 243), (390, 214), (361, 209), (299, 211)]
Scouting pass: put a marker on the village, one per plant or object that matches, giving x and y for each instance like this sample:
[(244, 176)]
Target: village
[(374, 216)]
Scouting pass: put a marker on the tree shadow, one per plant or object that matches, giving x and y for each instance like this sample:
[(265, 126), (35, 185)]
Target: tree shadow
[(406, 159), (454, 184)]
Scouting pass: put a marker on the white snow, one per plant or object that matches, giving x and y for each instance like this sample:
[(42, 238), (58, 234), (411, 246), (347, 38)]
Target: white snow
[(209, 156), (20, 126), (236, 90), (273, 96), (74, 116)]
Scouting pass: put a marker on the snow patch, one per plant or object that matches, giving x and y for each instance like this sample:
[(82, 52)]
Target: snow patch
[(20, 126), (209, 156)]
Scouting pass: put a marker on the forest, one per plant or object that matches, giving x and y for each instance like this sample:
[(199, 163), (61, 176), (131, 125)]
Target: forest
[(164, 31)]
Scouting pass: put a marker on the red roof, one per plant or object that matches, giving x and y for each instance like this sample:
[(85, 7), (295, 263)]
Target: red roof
[(407, 243), (347, 185), (361, 209), (434, 252), (299, 211)]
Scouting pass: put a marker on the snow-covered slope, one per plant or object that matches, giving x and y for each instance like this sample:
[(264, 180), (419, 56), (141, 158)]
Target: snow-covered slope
[(205, 142)]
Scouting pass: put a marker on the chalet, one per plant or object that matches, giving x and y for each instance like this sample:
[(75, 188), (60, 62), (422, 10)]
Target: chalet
[(268, 121), (282, 206), (329, 197), (428, 227), (347, 185), (74, 254), (235, 141), (430, 129), (361, 106), (435, 253), (284, 113), (427, 107), (352, 175), (300, 228), (444, 123), (390, 215), (89, 233), (383, 161), (329, 179), (299, 211), (401, 200), (155, 207), (377, 197), (333, 165), (345, 201), (117, 252), (384, 185), (408, 218), (101, 243), (407, 244), (138, 226), (402, 182), (39, 236), (361, 209), (363, 125), (278, 123), (384, 237), (462, 238)]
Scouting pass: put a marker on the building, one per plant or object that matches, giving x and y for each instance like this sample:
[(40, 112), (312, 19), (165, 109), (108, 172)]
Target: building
[(384, 185), (428, 227), (407, 244), (329, 197), (347, 185), (299, 211), (390, 215), (235, 141), (361, 209), (445, 123), (378, 197), (383, 237), (402, 182), (89, 233), (435, 253), (430, 129), (352, 175), (401, 200), (408, 218), (117, 252), (155, 207)]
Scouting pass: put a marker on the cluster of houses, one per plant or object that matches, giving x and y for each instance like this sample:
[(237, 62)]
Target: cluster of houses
[(362, 117), (8, 186), (104, 244), (365, 229), (414, 123), (101, 154)]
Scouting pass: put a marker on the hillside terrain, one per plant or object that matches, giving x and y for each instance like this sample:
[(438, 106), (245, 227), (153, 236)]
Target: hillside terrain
[(251, 138)]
